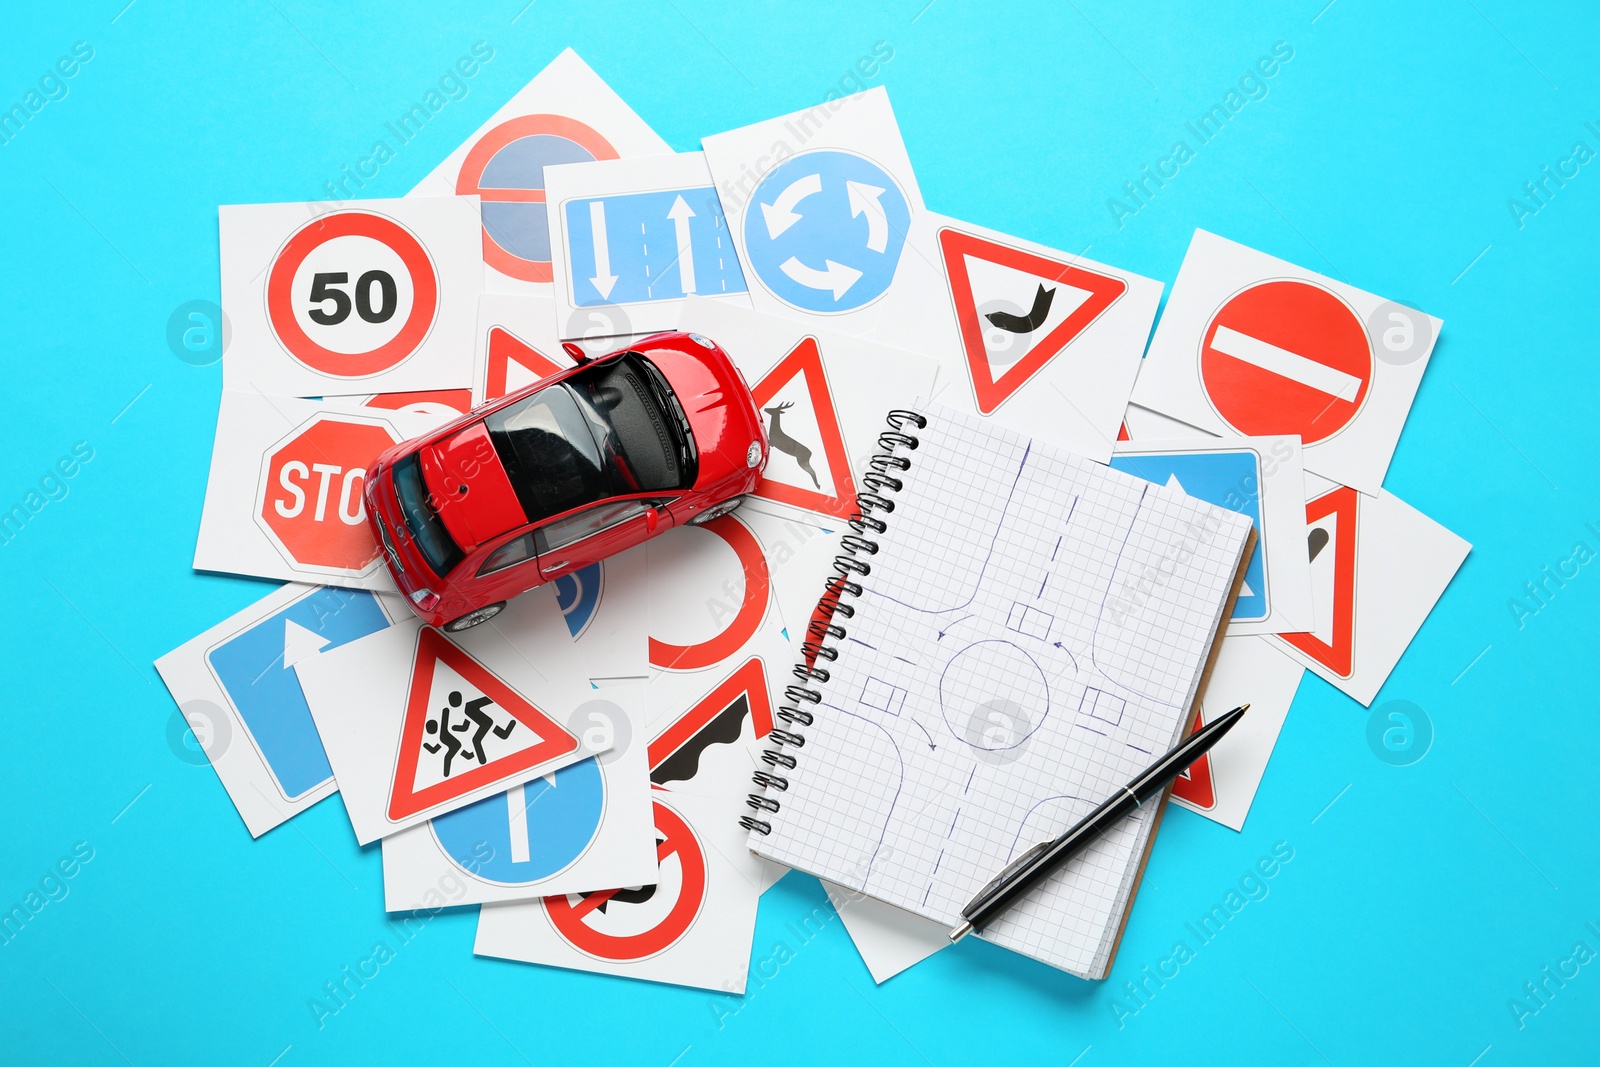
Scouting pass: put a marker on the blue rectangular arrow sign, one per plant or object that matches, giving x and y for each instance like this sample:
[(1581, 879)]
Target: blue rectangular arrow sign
[(1228, 478), (256, 670), (637, 248)]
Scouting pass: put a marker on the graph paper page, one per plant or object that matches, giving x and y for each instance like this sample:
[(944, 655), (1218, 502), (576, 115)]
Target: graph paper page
[(1031, 636)]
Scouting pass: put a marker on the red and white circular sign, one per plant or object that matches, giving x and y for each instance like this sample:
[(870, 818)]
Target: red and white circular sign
[(1286, 357), (506, 170), (310, 498), (624, 926), (352, 294), (736, 618)]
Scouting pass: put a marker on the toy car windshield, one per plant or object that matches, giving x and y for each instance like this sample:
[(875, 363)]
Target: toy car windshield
[(609, 430)]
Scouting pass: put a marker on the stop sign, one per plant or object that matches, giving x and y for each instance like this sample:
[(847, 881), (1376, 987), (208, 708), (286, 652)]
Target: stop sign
[(310, 498)]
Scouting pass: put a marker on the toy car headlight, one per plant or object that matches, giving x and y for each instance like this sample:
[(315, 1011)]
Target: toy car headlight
[(752, 457)]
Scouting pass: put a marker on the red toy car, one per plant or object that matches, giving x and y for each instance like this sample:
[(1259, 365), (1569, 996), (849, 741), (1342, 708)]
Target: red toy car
[(561, 474)]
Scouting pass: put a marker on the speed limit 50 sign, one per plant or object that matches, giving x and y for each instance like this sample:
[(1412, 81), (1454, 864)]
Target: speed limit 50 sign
[(331, 301)]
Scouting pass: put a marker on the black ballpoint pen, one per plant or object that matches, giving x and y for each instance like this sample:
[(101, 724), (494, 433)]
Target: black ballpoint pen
[(1034, 865)]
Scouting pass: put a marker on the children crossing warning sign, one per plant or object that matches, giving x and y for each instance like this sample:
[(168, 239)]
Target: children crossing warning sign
[(626, 925), (1331, 543), (1016, 310), (809, 467), (464, 729)]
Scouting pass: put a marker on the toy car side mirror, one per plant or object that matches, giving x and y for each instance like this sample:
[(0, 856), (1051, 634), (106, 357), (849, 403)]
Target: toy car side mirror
[(575, 350), (652, 520)]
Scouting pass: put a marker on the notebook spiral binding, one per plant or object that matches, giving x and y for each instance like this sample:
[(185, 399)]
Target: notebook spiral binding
[(880, 486)]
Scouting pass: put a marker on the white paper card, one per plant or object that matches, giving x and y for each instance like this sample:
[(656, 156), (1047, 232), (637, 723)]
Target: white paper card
[(284, 496), (1378, 566), (1256, 476), (634, 237), (819, 204), (719, 651), (236, 686), (417, 724), (693, 927), (587, 826), (369, 296), (1251, 344), (1222, 784), (516, 345), (566, 114), (889, 939), (1042, 341), (824, 397)]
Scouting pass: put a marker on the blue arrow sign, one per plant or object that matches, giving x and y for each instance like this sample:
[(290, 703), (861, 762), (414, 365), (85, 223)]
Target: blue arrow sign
[(578, 597), (637, 248), (1228, 478), (825, 229), (529, 832), (256, 670)]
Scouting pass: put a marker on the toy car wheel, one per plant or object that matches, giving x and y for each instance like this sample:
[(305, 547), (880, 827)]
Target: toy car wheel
[(716, 511), (473, 618)]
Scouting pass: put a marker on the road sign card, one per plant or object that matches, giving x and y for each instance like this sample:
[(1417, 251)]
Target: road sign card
[(692, 927), (515, 345), (1257, 476), (417, 724), (1250, 344), (584, 827), (823, 396), (284, 496), (349, 299), (1248, 671), (1378, 566), (1046, 342), (566, 114), (819, 204), (240, 701), (634, 237)]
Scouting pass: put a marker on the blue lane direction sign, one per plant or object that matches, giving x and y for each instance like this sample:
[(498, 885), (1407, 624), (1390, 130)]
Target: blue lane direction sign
[(531, 831), (1228, 478), (635, 248), (825, 229), (255, 669)]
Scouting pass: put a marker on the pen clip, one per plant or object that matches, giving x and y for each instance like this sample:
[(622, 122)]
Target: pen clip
[(999, 881)]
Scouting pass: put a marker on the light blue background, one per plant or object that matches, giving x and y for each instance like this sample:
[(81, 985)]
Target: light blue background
[(1385, 152)]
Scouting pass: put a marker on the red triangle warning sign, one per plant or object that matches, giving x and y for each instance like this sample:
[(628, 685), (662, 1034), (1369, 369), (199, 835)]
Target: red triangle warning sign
[(464, 729), (716, 718), (1196, 785), (809, 468), (513, 364), (1016, 310), (1331, 541)]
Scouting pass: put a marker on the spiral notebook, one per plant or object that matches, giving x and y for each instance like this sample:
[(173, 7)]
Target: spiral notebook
[(1014, 632)]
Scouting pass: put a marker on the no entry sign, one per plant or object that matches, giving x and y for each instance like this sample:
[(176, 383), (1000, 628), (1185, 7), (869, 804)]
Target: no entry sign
[(1286, 357), (309, 500)]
